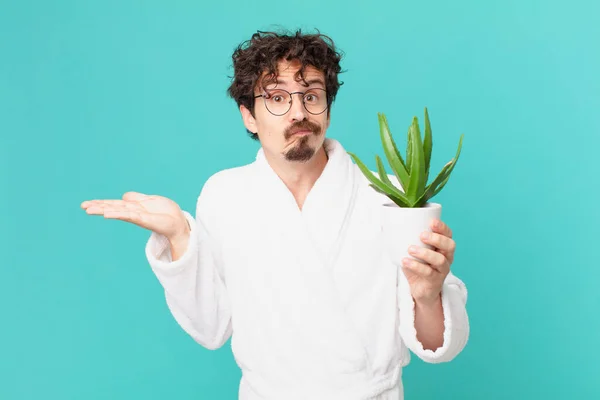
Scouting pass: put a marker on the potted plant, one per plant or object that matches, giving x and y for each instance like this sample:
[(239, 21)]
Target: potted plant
[(409, 210)]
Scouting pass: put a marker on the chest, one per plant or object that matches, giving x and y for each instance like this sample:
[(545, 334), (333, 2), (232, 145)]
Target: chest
[(273, 253)]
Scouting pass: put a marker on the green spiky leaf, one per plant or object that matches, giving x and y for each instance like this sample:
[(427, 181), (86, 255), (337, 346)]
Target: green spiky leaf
[(454, 160), (409, 155), (428, 194), (436, 186), (416, 182), (396, 200), (382, 173), (389, 190), (391, 152), (427, 144)]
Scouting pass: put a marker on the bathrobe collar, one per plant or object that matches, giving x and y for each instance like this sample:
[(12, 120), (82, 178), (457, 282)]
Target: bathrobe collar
[(329, 204)]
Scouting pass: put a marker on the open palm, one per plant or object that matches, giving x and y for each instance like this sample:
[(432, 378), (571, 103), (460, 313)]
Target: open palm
[(156, 213)]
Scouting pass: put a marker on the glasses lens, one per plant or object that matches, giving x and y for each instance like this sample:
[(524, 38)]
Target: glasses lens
[(315, 101), (277, 101)]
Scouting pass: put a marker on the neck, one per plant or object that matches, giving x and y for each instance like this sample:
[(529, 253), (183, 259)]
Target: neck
[(299, 177)]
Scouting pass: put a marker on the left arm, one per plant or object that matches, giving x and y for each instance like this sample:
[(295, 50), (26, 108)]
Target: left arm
[(429, 324), (432, 301)]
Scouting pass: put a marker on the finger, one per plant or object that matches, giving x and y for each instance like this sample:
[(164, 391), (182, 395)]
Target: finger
[(440, 227), (99, 209), (418, 268), (433, 258), (117, 204), (89, 203), (98, 202), (439, 241), (123, 215), (94, 210)]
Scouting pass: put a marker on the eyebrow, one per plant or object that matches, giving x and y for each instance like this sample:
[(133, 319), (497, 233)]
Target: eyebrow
[(309, 82)]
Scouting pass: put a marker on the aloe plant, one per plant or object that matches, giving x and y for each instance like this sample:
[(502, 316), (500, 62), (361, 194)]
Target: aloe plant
[(412, 174)]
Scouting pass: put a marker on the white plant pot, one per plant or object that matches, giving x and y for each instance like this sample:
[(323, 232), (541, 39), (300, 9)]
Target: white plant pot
[(402, 227)]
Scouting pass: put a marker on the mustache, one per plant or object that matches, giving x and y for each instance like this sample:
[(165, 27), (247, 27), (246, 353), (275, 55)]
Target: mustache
[(302, 126)]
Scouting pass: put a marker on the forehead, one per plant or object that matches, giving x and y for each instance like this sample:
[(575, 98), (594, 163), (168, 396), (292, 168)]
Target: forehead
[(288, 75)]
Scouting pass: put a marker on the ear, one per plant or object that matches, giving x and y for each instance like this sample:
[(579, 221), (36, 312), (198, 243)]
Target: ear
[(249, 120)]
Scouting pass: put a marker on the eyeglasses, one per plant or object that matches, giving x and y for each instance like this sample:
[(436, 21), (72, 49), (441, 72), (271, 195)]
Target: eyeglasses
[(279, 101)]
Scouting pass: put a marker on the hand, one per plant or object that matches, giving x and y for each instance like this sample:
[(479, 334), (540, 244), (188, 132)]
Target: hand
[(156, 213), (426, 278)]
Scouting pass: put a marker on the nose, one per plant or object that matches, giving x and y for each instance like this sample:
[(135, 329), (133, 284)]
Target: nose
[(297, 111)]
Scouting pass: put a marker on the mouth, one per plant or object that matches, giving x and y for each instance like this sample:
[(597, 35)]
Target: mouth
[(301, 133)]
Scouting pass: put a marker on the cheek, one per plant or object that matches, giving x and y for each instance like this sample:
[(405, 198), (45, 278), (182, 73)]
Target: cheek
[(273, 129), (263, 124), (269, 128), (324, 122)]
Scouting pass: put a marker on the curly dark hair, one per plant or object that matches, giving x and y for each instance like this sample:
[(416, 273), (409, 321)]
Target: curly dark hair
[(252, 58)]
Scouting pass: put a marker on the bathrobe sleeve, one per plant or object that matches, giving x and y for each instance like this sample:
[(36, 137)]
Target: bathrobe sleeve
[(456, 321), (194, 287)]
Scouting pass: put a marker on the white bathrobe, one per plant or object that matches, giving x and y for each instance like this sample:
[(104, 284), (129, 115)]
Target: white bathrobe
[(314, 307)]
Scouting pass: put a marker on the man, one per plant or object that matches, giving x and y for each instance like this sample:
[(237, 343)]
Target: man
[(284, 253)]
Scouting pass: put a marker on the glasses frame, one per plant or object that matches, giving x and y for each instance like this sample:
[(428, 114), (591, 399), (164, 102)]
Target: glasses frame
[(292, 101)]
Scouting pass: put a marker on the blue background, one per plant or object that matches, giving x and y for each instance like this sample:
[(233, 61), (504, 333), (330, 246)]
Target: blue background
[(99, 98)]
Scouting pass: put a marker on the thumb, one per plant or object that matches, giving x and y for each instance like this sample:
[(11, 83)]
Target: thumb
[(134, 196)]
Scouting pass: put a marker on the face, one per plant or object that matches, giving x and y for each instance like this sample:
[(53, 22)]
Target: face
[(297, 135)]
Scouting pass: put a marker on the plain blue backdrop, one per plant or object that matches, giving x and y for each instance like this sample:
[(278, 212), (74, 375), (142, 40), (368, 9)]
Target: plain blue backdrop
[(99, 98)]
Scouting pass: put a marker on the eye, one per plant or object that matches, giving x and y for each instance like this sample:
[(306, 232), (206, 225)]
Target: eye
[(276, 96), (311, 98)]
